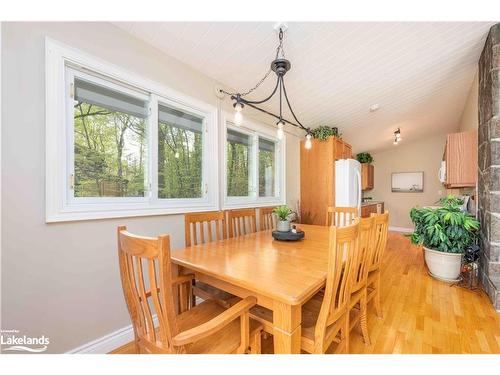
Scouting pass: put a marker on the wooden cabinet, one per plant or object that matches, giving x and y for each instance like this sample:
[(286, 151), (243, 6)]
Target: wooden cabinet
[(460, 155), (375, 208), (317, 177), (343, 150), (346, 151), (367, 176)]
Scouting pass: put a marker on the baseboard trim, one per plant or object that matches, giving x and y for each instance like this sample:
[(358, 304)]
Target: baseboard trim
[(401, 229), (113, 340), (109, 342)]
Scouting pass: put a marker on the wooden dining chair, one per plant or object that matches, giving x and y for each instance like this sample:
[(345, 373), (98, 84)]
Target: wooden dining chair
[(241, 222), (204, 227), (373, 281), (200, 228), (266, 218), (149, 288), (341, 216), (358, 303), (325, 317)]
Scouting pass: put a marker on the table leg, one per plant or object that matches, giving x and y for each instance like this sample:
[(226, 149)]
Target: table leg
[(286, 328)]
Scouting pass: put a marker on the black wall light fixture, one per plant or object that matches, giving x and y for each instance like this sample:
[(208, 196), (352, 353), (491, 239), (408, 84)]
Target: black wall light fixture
[(280, 65)]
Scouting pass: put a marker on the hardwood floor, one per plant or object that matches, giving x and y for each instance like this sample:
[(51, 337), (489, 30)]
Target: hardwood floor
[(421, 315)]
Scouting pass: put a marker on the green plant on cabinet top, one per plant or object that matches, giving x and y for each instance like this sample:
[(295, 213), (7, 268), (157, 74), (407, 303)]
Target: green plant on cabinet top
[(324, 132), (364, 157)]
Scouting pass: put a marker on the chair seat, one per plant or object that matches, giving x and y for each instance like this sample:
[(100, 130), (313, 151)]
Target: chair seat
[(310, 313), (227, 340), (355, 298), (372, 275), (206, 291)]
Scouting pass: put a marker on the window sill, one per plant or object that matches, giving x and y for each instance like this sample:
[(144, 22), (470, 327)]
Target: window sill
[(78, 214), (232, 204)]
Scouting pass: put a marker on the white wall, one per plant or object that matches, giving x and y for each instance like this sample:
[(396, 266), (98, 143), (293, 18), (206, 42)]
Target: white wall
[(62, 280), (422, 155), (470, 118)]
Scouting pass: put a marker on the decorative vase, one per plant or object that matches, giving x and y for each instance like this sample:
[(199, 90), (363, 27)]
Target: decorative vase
[(283, 226), (443, 266)]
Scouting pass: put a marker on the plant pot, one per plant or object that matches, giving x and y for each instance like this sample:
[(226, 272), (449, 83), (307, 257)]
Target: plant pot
[(283, 226), (443, 266)]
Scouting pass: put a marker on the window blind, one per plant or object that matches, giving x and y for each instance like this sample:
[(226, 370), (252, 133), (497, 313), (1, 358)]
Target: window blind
[(104, 97), (265, 145), (237, 137), (179, 119)]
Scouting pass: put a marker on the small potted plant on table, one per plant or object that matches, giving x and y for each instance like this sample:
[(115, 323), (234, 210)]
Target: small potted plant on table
[(445, 232), (283, 213)]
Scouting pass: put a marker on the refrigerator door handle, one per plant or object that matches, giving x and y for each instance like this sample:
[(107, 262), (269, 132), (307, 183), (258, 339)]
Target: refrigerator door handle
[(358, 190)]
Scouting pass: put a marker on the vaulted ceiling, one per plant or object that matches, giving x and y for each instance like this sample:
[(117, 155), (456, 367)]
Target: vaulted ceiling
[(419, 74)]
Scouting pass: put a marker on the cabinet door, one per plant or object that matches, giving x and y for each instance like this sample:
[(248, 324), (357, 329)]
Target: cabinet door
[(317, 185), (366, 176), (347, 151), (371, 176), (365, 211), (339, 149), (461, 159)]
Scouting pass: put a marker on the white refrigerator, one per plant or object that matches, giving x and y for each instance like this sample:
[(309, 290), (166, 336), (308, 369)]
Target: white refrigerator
[(348, 183)]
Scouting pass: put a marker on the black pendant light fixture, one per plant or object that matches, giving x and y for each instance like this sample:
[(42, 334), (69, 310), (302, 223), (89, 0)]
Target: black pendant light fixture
[(280, 65)]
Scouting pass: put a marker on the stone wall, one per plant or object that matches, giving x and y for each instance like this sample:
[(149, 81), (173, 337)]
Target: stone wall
[(489, 164)]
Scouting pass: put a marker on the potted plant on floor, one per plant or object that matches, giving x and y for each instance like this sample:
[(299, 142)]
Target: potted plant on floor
[(284, 214), (445, 232)]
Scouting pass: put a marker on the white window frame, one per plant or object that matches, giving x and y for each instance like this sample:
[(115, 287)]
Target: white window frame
[(255, 130), (58, 207)]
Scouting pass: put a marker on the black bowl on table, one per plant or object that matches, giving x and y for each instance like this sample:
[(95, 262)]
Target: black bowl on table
[(288, 236)]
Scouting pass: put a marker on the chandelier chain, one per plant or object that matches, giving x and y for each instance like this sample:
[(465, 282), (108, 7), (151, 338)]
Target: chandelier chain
[(278, 49)]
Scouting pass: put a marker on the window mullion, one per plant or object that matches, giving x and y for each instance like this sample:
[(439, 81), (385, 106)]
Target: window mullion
[(153, 149), (255, 169)]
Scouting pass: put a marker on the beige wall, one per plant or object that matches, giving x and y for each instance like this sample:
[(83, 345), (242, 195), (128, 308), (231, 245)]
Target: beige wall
[(423, 155), (61, 280), (469, 119)]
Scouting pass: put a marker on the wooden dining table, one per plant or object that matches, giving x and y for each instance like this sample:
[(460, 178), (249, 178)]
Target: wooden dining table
[(282, 275)]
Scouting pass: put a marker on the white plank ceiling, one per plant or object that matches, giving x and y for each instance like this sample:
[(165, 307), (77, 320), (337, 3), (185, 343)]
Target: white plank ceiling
[(418, 73)]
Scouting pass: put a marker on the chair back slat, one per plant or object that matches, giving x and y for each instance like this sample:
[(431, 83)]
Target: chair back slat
[(241, 222), (341, 216), (149, 329), (267, 220), (146, 277), (343, 252), (381, 230), (194, 227), (366, 246)]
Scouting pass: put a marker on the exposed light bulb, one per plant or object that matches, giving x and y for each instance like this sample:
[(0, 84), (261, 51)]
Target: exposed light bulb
[(280, 133), (308, 143), (238, 118), (238, 107), (176, 155)]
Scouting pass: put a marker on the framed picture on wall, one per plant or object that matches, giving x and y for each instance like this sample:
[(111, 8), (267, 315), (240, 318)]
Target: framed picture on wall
[(407, 182)]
